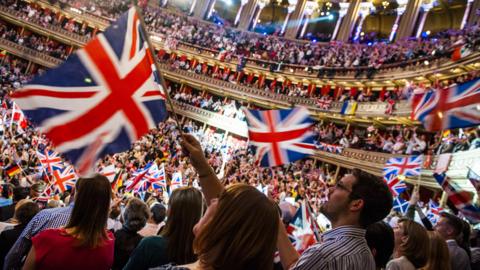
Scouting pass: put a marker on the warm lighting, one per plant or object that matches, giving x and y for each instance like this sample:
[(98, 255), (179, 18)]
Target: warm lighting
[(440, 115), (426, 63), (385, 4)]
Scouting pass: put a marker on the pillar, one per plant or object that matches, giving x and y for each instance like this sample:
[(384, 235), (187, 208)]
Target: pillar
[(290, 10), (247, 14), (239, 12), (466, 14), (364, 11), (426, 8), (341, 13), (473, 17), (200, 8), (402, 6), (260, 6), (348, 21), (295, 20), (407, 23), (309, 9)]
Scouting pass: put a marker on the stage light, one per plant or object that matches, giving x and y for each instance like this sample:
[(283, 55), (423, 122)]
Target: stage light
[(428, 32), (328, 13), (330, 17), (426, 63), (369, 43), (88, 80), (314, 40), (322, 13), (264, 33)]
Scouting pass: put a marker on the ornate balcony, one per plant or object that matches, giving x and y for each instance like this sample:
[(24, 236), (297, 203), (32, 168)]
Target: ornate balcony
[(29, 54)]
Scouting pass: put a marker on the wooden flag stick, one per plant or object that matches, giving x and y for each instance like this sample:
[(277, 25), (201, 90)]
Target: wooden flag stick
[(160, 76)]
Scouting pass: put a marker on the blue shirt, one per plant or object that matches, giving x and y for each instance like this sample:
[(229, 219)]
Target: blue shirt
[(45, 219)]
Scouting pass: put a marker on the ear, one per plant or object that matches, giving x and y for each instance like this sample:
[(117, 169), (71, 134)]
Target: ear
[(356, 205), (404, 239)]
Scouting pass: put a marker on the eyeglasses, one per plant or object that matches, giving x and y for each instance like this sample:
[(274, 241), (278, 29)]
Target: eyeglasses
[(340, 185)]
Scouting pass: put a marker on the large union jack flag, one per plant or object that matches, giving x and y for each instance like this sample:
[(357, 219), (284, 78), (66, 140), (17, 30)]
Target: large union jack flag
[(407, 166), (280, 136), (462, 199), (453, 107), (395, 185), (102, 98)]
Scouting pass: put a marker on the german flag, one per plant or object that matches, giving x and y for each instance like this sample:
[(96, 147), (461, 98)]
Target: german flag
[(13, 170), (117, 181)]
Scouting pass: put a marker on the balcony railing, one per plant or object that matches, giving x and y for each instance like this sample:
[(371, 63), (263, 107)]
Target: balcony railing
[(30, 54)]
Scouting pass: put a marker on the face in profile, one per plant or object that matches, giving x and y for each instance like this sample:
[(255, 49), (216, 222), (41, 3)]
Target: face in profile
[(338, 198)]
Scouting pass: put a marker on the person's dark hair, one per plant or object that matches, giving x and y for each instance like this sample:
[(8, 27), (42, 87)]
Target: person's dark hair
[(159, 212), (136, 215), (381, 241), (454, 222), (464, 239), (90, 213), (185, 209), (375, 194), (25, 210)]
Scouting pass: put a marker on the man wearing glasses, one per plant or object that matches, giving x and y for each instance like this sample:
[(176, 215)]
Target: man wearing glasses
[(356, 201)]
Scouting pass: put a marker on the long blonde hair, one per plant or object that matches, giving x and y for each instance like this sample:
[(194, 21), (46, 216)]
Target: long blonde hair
[(242, 233), (438, 255)]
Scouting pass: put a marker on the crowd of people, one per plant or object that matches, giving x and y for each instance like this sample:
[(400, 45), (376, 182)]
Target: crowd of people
[(33, 41), (228, 213), (230, 43)]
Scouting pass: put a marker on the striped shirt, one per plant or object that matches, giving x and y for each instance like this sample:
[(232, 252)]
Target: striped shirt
[(344, 247), (45, 219)]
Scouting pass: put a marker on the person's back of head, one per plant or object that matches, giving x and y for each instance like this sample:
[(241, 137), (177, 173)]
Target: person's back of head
[(239, 231), (449, 226), (159, 212), (90, 213), (377, 199), (380, 240), (414, 242), (25, 210), (438, 255), (136, 215), (185, 210)]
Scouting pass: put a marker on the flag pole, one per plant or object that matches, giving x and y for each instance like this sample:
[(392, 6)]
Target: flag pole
[(160, 76)]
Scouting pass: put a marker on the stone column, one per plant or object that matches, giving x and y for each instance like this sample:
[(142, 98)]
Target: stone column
[(239, 12), (247, 14), (426, 8), (409, 18), (291, 8), (309, 9), (473, 17), (365, 9), (260, 6), (402, 6), (466, 14), (348, 21), (295, 20), (200, 8), (341, 13)]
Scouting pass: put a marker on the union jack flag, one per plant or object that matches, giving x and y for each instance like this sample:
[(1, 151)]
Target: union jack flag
[(280, 136), (137, 178), (160, 182), (407, 166), (400, 205), (64, 178), (395, 185), (103, 98), (176, 181), (462, 199), (50, 159), (433, 213), (302, 229), (453, 107)]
